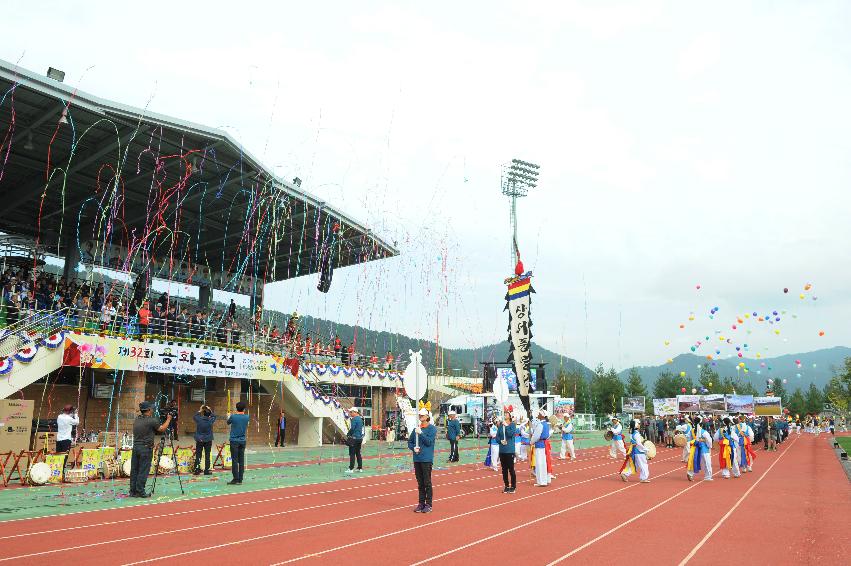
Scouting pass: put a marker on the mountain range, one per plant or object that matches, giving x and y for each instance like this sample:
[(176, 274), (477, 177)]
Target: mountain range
[(816, 367)]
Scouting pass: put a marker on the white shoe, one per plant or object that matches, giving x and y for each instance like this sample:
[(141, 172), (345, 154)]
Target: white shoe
[(623, 477), (349, 472), (690, 477), (707, 479), (359, 471)]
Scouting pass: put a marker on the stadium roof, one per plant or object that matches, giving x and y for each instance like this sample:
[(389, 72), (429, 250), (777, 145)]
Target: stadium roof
[(75, 167)]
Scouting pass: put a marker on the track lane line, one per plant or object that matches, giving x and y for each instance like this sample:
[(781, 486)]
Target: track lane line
[(524, 525), (338, 521), (267, 515), (720, 522)]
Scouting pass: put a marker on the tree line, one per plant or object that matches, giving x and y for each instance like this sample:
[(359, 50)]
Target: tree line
[(600, 391)]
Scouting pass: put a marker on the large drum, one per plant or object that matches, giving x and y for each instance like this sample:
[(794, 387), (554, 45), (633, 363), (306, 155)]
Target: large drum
[(125, 468), (679, 440), (109, 468), (650, 448), (39, 473), (166, 464), (609, 435)]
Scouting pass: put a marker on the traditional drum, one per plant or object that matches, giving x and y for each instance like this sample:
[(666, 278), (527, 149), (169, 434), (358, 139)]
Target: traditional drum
[(77, 475), (609, 435), (39, 473), (679, 440), (166, 464), (109, 468), (650, 448), (125, 468)]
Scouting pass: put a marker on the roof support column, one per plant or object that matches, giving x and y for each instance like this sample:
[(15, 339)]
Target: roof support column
[(204, 293), (72, 259)]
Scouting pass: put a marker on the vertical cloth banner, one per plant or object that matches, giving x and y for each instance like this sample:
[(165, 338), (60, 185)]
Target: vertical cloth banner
[(518, 302), (57, 464)]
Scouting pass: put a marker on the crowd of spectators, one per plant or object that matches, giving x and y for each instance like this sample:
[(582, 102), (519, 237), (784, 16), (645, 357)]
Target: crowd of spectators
[(113, 308)]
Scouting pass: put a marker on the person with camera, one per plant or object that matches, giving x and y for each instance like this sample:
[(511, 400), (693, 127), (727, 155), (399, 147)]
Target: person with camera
[(354, 439), (204, 420), (144, 428), (172, 409), (65, 422), (238, 426)]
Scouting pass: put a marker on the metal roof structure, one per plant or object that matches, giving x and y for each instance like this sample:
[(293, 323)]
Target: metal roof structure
[(76, 168)]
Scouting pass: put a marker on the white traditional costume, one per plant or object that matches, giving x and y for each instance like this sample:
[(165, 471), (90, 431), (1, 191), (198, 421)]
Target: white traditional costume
[(745, 451), (637, 458), (567, 439), (728, 441), (617, 440), (699, 452), (540, 440)]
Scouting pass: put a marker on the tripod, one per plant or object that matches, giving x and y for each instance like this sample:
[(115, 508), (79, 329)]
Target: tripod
[(159, 453)]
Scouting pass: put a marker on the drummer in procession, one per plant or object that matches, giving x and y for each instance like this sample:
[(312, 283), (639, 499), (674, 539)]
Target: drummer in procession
[(637, 459), (617, 439), (567, 438), (685, 428), (699, 445)]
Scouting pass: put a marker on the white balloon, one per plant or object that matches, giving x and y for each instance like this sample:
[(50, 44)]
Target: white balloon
[(415, 377)]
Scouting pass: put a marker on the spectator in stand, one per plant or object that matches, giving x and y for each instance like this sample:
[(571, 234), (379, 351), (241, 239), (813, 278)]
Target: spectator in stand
[(275, 335), (317, 348), (308, 346), (388, 359), (351, 353), (107, 315), (196, 325), (338, 347), (162, 302), (373, 360), (183, 324), (232, 310)]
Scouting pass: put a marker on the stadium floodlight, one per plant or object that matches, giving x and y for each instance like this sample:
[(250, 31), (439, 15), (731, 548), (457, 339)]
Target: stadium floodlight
[(55, 74), (517, 178)]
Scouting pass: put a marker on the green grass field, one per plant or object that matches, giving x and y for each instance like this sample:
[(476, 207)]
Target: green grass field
[(845, 443)]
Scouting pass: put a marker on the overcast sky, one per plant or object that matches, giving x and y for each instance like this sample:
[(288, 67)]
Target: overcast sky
[(679, 144)]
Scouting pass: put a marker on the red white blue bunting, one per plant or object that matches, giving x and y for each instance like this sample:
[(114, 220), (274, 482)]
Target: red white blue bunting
[(5, 365), (54, 340), (26, 355)]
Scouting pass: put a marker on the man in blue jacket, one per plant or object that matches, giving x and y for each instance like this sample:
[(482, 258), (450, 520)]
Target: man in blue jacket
[(354, 439), (421, 443), (238, 425), (204, 420), (453, 431)]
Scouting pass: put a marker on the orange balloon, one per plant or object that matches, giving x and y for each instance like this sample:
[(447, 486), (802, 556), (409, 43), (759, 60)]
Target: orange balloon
[(821, 333)]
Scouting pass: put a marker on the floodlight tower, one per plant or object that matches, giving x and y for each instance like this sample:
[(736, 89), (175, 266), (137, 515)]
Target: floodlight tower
[(517, 178)]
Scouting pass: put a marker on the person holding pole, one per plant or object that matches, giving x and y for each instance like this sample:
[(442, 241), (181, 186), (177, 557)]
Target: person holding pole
[(506, 433), (421, 443), (453, 431)]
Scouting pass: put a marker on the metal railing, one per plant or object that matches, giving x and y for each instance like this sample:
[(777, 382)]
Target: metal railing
[(32, 329)]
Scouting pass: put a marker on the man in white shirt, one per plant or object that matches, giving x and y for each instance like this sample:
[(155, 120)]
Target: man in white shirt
[(64, 423)]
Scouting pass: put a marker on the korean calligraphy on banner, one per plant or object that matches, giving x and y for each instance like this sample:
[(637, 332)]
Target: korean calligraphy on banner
[(188, 359), (518, 304)]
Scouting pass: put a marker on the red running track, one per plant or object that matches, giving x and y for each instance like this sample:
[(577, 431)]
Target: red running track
[(792, 509)]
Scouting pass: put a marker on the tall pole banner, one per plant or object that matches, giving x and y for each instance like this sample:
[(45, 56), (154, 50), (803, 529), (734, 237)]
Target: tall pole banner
[(518, 304)]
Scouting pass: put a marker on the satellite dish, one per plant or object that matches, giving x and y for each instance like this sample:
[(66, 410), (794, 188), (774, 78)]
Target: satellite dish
[(415, 377)]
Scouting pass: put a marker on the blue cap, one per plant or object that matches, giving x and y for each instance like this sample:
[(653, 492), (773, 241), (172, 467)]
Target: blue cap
[(145, 406)]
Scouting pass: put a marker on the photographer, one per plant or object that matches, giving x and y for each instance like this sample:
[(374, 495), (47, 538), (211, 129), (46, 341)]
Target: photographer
[(65, 422), (204, 420), (144, 428)]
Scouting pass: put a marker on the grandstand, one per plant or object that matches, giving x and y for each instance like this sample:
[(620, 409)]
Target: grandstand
[(105, 200)]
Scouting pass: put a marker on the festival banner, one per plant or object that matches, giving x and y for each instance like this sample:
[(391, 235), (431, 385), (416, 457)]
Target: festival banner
[(57, 464), (688, 403), (665, 407), (564, 406), (740, 404), (518, 304), (226, 457), (90, 461), (632, 404), (768, 406), (184, 460), (712, 403)]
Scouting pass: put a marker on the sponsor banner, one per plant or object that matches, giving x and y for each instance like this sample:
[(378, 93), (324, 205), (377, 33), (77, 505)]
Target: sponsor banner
[(665, 407), (688, 403), (57, 464), (740, 404), (768, 406), (632, 404), (712, 403)]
